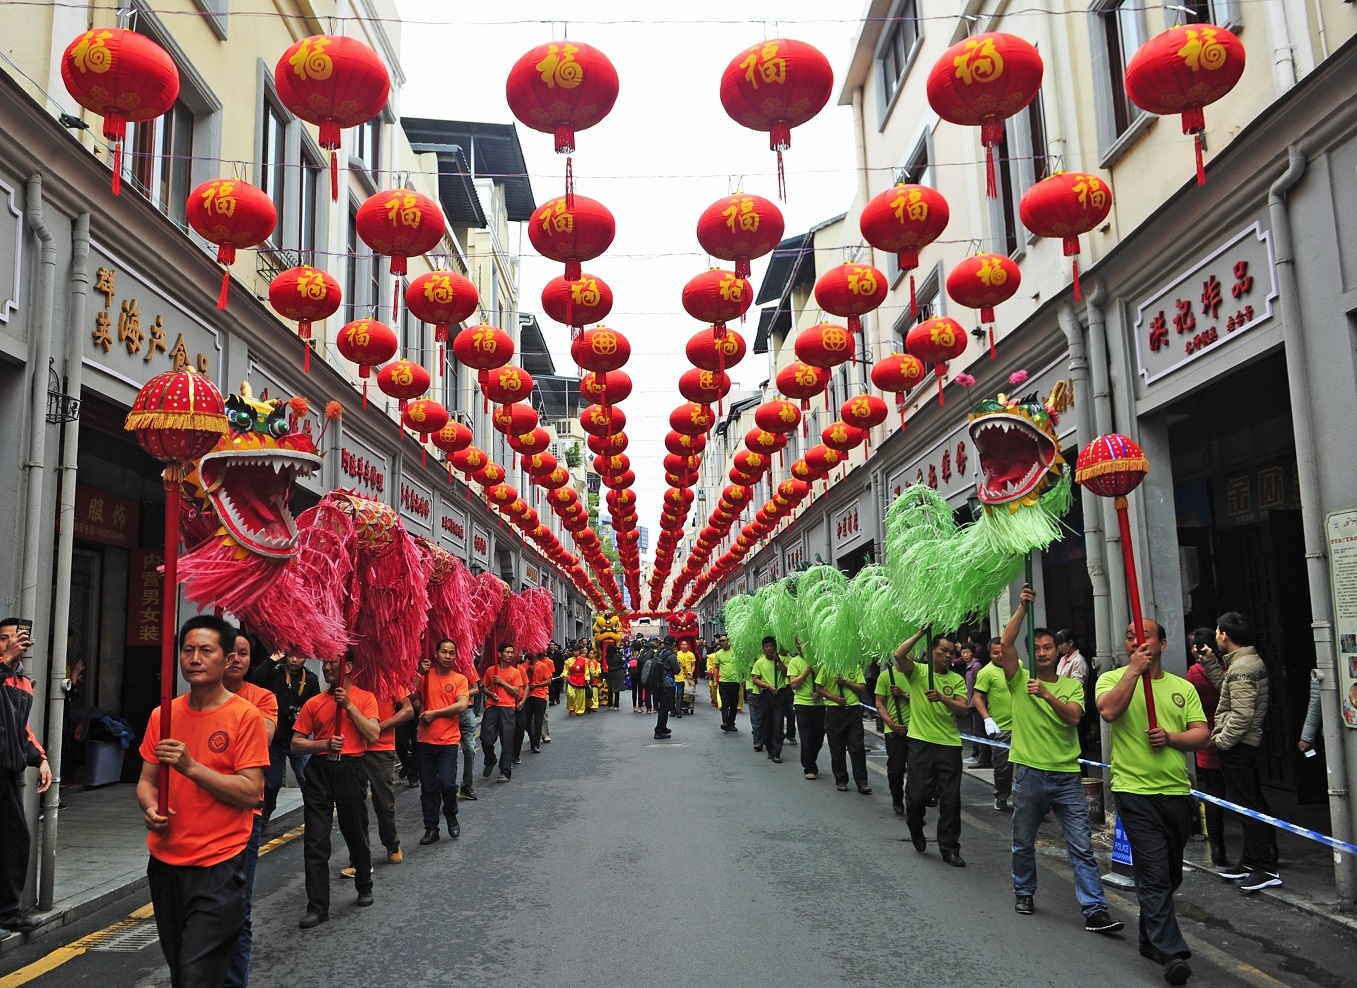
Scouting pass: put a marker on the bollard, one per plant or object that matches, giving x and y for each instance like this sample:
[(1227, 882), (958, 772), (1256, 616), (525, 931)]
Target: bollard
[(1093, 798)]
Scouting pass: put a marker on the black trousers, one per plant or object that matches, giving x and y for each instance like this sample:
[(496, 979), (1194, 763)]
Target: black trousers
[(664, 701), (730, 703), (843, 731), (198, 913), (774, 721), (14, 846), (520, 729), (935, 769), (554, 691), (897, 760), (380, 767), (438, 782), (1158, 828), (406, 738), (498, 725), (536, 709), (810, 725), (1239, 767), (334, 788)]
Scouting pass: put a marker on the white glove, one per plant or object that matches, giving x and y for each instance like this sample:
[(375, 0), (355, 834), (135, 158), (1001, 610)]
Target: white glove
[(991, 728)]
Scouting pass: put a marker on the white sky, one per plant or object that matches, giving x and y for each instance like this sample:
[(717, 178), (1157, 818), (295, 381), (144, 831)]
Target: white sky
[(666, 152)]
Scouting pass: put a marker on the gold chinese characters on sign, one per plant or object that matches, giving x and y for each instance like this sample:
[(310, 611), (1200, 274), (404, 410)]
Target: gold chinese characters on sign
[(131, 334)]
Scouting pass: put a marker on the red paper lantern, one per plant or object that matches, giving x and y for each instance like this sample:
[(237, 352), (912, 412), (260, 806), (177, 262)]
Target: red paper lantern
[(178, 416), (489, 475), (864, 411), (400, 223), (898, 372), (514, 419), (606, 387), (1183, 70), (367, 343), (751, 464), (1066, 205), (1111, 466), (452, 437), (841, 436), (982, 282), (620, 482), (937, 341), (850, 291), (825, 345), (715, 350), (539, 464), (774, 86), (502, 495), (332, 81), (575, 303), (571, 232), (759, 441), (904, 220), (794, 490), (738, 476), (600, 421), (307, 295), (823, 459), (682, 444), (441, 298), (424, 416), (484, 348), (676, 463), (717, 297), (607, 445), (600, 349), (704, 386), (533, 441), (233, 215), (802, 470), (507, 384), (618, 463), (560, 88), (403, 380), (692, 419), (469, 460), (739, 228), (777, 416), (124, 77), (800, 380), (980, 81)]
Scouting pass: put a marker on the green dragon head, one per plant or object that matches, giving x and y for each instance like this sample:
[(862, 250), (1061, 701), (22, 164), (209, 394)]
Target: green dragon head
[(1015, 441)]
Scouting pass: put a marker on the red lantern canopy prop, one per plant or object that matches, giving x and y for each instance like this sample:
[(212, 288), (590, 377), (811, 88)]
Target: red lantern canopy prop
[(703, 386), (571, 232), (177, 416), (307, 295), (825, 345), (717, 296), (484, 348), (898, 372), (1183, 70), (982, 282), (400, 224), (586, 299), (332, 81), (864, 411), (682, 444), (124, 77), (233, 215), (692, 419), (774, 86), (441, 298), (561, 88), (850, 291), (599, 421), (507, 384), (937, 341), (802, 381), (424, 416), (1113, 466), (904, 220), (514, 419), (600, 349), (606, 387), (980, 81), (403, 380), (367, 343), (1066, 205), (739, 228)]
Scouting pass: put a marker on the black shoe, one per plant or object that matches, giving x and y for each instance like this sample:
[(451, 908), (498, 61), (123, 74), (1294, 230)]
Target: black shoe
[(777, 760), (1100, 922), (412, 782), (518, 761), (454, 830), (467, 793), (1151, 953), (920, 841), (489, 767), (430, 837), (1022, 905), (865, 789), (1259, 880), (504, 777), (758, 747), (954, 859), (365, 898), (312, 920), (790, 740), (23, 923), (534, 751), (1218, 857), (931, 801), (1000, 805), (1234, 874), (899, 808), (1176, 971)]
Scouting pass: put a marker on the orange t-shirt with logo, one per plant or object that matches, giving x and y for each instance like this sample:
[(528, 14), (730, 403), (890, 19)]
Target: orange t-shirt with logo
[(499, 696), (386, 741), (203, 830), (542, 671), (318, 718), (437, 691)]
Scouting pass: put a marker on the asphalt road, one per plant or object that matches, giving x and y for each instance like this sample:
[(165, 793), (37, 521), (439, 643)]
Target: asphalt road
[(612, 859)]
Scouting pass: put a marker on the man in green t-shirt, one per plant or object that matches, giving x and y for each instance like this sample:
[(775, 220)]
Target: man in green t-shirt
[(892, 704), (769, 677), (809, 709), (843, 726), (939, 697), (722, 663), (1150, 785), (991, 702), (1046, 709)]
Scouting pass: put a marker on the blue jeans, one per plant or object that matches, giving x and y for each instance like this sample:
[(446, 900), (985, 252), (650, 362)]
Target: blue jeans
[(238, 974), (1034, 792), (468, 746)]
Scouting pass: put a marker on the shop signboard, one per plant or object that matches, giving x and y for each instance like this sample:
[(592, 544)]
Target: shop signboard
[(846, 525), (480, 546), (531, 574), (1341, 530), (794, 554), (363, 467), (145, 586), (105, 518), (452, 528), (1245, 497), (1219, 298), (416, 507)]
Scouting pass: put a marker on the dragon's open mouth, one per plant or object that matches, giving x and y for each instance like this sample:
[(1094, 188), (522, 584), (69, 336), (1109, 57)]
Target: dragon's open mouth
[(1014, 457), (250, 490)]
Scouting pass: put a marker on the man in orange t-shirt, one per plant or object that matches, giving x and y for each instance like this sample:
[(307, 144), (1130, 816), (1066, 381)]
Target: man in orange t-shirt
[(539, 684), (504, 686), (443, 695), (217, 755), (379, 762), (266, 702), (336, 725)]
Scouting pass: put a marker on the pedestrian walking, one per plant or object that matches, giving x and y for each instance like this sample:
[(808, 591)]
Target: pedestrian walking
[(466, 722), (379, 763), (577, 681), (504, 686), (843, 727), (808, 706), (769, 676), (664, 667), (892, 704), (990, 699), (536, 705), (726, 675), (444, 695)]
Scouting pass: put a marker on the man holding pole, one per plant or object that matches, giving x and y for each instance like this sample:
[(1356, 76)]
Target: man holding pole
[(1046, 709), (1150, 784)]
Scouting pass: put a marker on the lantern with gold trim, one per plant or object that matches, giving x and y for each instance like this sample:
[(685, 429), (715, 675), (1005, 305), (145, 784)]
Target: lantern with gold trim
[(1065, 205), (403, 380), (367, 343)]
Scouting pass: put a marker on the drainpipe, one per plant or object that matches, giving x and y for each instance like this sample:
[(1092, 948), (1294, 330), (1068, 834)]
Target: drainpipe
[(1283, 57), (34, 514), (1312, 516), (61, 605), (1100, 378)]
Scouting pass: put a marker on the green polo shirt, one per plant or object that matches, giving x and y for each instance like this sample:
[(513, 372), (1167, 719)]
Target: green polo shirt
[(1041, 740), (897, 708), (767, 670), (805, 693), (990, 681), (826, 679), (1136, 767), (725, 661), (933, 722)]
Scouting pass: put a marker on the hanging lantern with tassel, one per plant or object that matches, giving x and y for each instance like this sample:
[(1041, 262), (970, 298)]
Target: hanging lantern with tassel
[(233, 215)]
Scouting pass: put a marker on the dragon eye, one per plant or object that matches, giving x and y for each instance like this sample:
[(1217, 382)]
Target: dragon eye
[(278, 428)]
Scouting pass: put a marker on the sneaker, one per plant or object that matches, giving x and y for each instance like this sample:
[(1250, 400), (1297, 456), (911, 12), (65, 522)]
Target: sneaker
[(365, 898), (503, 778), (971, 762), (1235, 873), (1176, 971), (841, 786), (1100, 922), (1023, 905), (394, 857), (1258, 881), (1000, 805), (865, 789), (776, 760), (349, 872), (546, 740), (518, 761), (758, 747), (467, 793)]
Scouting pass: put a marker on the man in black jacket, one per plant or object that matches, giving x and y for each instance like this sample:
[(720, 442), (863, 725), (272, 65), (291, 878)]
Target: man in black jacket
[(19, 751), (293, 684), (667, 657)]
